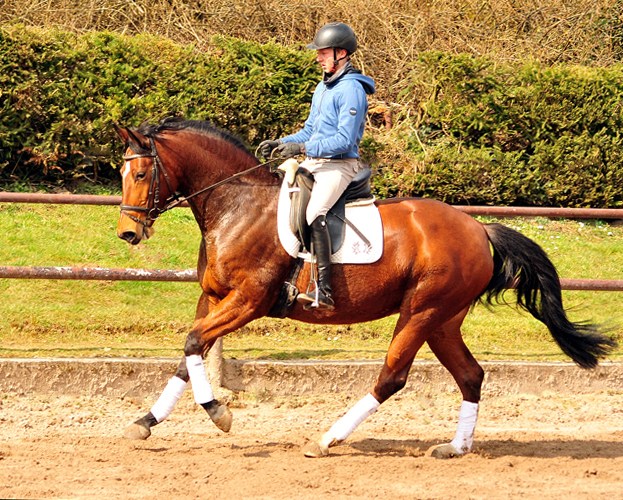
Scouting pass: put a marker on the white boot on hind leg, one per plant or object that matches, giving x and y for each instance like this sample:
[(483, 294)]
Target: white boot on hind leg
[(342, 428), (464, 437)]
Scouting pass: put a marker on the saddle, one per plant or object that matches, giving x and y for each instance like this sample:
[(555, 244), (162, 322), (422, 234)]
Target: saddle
[(295, 195), (300, 192)]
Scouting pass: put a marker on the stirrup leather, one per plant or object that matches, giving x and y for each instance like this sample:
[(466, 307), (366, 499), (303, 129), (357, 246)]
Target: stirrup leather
[(315, 297)]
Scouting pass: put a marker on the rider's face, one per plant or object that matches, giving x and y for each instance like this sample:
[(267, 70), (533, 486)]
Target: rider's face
[(325, 58)]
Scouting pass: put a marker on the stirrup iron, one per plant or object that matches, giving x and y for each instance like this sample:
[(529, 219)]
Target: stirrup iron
[(316, 292)]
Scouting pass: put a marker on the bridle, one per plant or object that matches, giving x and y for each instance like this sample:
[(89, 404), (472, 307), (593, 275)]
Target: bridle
[(152, 210)]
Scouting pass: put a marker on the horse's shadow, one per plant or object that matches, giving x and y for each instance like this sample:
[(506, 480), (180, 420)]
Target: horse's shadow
[(264, 450), (495, 448)]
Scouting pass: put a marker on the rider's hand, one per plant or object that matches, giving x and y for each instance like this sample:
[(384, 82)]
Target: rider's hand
[(266, 147), (290, 149)]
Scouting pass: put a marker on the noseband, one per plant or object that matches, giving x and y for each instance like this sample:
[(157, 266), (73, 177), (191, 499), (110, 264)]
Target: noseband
[(152, 210)]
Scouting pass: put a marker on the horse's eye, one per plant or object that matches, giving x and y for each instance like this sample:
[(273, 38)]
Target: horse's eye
[(140, 175)]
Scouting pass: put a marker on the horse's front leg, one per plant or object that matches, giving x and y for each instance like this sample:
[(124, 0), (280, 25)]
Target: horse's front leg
[(214, 319), (219, 413), (141, 428), (231, 313)]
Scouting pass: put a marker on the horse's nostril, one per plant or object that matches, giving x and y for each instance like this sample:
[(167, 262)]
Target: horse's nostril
[(128, 236)]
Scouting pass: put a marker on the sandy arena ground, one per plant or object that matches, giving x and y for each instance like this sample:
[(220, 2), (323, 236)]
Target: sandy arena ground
[(528, 447)]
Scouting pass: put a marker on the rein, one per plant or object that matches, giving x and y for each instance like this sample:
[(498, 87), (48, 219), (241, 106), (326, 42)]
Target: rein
[(152, 210)]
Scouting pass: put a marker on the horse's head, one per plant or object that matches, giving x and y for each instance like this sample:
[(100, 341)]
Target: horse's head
[(142, 197), (173, 158)]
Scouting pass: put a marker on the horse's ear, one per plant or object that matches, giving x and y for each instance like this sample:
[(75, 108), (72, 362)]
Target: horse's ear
[(123, 133), (130, 138), (139, 139)]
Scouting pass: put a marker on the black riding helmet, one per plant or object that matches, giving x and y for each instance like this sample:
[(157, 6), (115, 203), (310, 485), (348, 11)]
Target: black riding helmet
[(336, 36)]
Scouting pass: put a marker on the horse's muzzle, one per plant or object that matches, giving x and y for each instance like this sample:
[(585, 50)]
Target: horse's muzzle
[(130, 236)]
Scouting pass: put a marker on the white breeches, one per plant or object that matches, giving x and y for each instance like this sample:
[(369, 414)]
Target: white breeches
[(331, 178)]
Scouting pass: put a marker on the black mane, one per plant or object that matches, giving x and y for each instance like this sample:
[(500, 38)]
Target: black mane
[(202, 127)]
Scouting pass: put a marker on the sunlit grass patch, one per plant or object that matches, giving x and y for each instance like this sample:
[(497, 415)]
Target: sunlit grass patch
[(40, 318)]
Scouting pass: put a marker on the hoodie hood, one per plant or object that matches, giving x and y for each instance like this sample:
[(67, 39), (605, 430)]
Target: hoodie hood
[(337, 116), (366, 82), (351, 73)]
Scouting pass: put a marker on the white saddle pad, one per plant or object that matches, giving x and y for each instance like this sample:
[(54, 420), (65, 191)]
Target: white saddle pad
[(365, 217)]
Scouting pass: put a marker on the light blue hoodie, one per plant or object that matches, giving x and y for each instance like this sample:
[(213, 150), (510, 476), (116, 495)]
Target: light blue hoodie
[(337, 118)]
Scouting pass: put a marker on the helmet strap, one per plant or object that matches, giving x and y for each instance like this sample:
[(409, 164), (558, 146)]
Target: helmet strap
[(336, 61)]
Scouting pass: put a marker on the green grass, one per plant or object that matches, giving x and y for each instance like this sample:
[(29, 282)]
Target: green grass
[(105, 318)]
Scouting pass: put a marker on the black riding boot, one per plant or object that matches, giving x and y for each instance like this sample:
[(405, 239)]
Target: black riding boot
[(322, 249)]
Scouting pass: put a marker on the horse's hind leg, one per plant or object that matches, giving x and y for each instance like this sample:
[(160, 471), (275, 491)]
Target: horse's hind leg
[(447, 344), (409, 336)]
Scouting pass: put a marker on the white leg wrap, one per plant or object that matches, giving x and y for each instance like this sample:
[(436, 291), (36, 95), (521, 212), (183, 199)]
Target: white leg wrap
[(202, 390), (349, 422), (168, 399), (464, 438)]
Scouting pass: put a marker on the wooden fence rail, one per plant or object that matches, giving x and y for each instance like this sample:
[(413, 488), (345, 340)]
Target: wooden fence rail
[(568, 213)]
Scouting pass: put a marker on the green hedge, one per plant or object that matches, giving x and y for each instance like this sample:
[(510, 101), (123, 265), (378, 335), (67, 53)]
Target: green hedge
[(471, 131), (517, 134), (60, 93)]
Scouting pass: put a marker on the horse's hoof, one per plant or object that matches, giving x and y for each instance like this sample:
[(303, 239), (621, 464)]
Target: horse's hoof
[(136, 431), (222, 417), (443, 451), (315, 450)]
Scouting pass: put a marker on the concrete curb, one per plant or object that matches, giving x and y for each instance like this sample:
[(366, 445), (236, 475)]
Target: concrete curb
[(140, 378)]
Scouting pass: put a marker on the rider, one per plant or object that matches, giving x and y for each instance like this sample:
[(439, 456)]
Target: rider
[(330, 140)]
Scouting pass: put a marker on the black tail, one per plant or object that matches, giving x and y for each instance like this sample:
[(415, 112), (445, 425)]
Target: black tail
[(521, 264)]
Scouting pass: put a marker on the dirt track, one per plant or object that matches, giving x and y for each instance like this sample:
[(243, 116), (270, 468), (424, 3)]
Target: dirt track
[(565, 447)]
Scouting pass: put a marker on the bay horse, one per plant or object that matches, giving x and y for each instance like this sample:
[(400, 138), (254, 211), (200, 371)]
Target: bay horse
[(437, 262)]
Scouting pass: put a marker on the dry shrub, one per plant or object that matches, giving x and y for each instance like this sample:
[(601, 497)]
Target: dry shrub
[(391, 32), (466, 125)]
